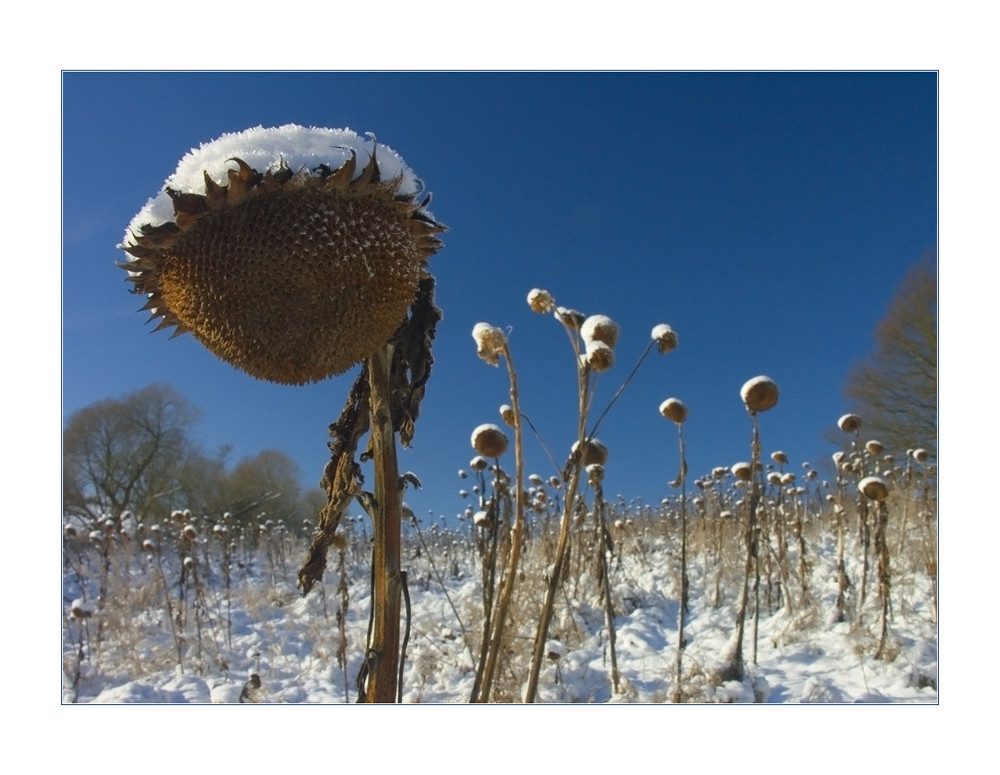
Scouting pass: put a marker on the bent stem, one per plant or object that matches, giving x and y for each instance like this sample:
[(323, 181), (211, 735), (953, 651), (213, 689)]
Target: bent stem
[(575, 466), (383, 647), (516, 536)]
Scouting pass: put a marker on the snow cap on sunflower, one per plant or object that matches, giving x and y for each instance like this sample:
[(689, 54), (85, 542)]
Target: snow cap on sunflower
[(279, 254)]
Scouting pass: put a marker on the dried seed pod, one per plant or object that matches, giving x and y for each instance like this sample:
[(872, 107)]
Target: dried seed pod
[(741, 471), (570, 317), (920, 455), (779, 457), (599, 356), (665, 337), (874, 488), (874, 446), (593, 452), (489, 441), (507, 414), (849, 423), (673, 409), (490, 342), (599, 328), (289, 275), (759, 394), (540, 301)]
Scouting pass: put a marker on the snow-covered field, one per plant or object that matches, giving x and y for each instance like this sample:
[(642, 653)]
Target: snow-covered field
[(124, 649)]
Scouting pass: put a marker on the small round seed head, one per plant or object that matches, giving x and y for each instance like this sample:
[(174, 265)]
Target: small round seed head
[(489, 441), (570, 317), (69, 531), (189, 563), (482, 519), (78, 610), (540, 301), (920, 455), (665, 337), (874, 488), (479, 463), (849, 423), (291, 276), (788, 478), (593, 452), (759, 394), (507, 414), (599, 328), (490, 342), (673, 409), (774, 477), (779, 457), (741, 471), (148, 546), (599, 356), (874, 446), (190, 533), (595, 474)]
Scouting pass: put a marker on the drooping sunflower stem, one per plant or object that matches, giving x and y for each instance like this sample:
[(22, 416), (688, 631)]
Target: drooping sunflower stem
[(383, 647)]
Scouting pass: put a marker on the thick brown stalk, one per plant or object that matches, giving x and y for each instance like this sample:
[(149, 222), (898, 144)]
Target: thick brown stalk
[(383, 649)]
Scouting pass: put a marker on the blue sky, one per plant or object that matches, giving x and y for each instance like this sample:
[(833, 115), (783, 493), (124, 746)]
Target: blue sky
[(768, 217)]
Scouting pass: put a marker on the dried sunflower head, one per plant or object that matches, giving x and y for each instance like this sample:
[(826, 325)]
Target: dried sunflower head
[(277, 254)]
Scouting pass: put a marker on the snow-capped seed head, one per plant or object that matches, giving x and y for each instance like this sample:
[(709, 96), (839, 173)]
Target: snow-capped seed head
[(482, 519), (177, 515), (69, 531), (665, 337), (759, 394), (774, 477), (920, 455), (461, 473), (849, 423), (189, 563), (874, 488), (779, 457), (536, 480), (720, 471), (788, 478), (277, 256), (593, 452), (874, 446), (540, 301), (595, 474), (599, 356), (190, 533), (555, 481), (600, 328), (78, 610), (675, 410), (490, 342), (570, 317), (507, 414), (479, 463), (148, 546), (489, 441), (741, 471)]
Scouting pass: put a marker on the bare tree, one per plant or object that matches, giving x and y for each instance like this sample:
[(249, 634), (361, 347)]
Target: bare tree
[(126, 453), (894, 389)]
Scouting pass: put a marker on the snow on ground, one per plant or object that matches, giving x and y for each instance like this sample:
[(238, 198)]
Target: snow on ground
[(290, 642)]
